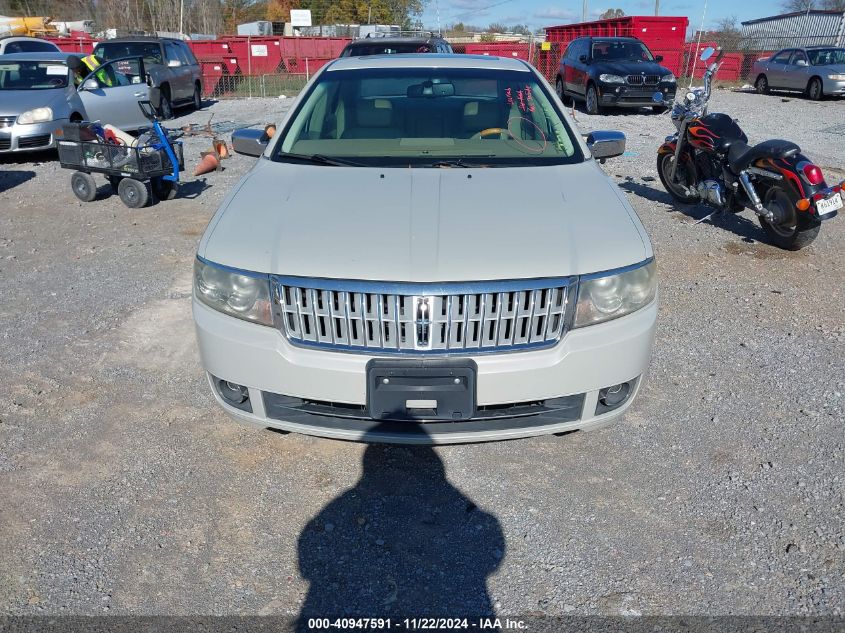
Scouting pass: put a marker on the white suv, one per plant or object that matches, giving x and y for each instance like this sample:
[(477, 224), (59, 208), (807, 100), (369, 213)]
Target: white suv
[(426, 252)]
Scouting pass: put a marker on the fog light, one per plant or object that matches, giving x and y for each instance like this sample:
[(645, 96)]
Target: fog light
[(233, 394), (613, 397)]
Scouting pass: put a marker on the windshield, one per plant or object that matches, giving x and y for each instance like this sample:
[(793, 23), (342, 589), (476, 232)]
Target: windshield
[(33, 75), (150, 51), (826, 56), (425, 116), (621, 50), (360, 50)]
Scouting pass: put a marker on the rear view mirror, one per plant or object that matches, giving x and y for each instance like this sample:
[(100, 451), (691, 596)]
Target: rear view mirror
[(707, 53), (582, 59), (90, 84), (174, 63), (605, 144), (429, 89), (250, 141), (659, 58)]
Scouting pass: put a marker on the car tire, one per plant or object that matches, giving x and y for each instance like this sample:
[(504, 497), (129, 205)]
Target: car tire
[(762, 85), (165, 107), (83, 185), (133, 193), (565, 100), (591, 103), (814, 89), (197, 97)]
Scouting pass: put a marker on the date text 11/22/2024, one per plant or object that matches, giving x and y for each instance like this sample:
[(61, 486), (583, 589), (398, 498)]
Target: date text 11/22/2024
[(416, 624)]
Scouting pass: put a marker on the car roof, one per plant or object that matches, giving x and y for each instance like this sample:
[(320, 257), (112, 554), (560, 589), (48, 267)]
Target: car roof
[(819, 46), (605, 38), (140, 38), (23, 38), (420, 39), (428, 60), (37, 56)]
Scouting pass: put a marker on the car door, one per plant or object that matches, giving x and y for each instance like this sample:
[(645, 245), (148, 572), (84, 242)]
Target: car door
[(112, 92), (777, 69), (797, 71), (181, 82), (574, 67)]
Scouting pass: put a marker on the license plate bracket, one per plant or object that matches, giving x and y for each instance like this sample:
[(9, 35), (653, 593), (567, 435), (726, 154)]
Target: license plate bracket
[(421, 390)]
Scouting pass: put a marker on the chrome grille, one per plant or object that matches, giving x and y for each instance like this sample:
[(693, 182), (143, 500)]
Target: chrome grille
[(7, 121), (640, 80), (422, 318)]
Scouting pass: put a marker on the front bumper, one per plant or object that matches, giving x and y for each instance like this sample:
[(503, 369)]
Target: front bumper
[(625, 96), (833, 87), (318, 392), (29, 138)]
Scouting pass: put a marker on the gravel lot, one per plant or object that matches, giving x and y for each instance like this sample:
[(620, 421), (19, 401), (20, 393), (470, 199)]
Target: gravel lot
[(125, 490)]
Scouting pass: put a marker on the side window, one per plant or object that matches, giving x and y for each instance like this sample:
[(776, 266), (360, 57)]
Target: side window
[(782, 57), (798, 56), (171, 52), (188, 53)]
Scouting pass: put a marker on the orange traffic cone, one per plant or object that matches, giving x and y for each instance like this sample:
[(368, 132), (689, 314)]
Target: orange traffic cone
[(208, 163), (221, 148)]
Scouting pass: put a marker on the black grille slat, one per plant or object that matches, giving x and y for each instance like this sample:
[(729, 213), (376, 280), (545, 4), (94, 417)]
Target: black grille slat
[(643, 80)]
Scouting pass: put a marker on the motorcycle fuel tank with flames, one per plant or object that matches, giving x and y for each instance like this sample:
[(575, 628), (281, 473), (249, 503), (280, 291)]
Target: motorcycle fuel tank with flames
[(714, 132)]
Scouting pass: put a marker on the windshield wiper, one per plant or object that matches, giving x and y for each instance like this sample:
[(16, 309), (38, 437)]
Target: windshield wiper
[(319, 159), (459, 162)]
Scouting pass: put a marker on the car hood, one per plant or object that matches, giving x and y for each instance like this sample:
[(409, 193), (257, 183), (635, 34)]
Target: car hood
[(15, 102), (630, 68), (425, 224)]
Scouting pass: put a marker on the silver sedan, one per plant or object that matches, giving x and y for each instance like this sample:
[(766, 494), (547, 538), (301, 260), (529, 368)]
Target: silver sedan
[(817, 71), (39, 93)]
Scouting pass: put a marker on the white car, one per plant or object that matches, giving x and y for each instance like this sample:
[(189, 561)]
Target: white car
[(426, 252), (24, 44)]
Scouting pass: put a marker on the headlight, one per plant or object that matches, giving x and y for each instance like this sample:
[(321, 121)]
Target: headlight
[(38, 115), (615, 295), (670, 78), (237, 293), (612, 79), (837, 77)]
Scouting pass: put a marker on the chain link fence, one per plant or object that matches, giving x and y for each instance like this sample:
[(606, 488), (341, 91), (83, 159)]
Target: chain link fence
[(737, 65)]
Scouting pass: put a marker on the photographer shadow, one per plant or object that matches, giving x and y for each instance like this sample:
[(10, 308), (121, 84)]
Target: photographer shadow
[(403, 542)]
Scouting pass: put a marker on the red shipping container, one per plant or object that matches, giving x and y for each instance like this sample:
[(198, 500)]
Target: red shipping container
[(664, 35), (516, 50)]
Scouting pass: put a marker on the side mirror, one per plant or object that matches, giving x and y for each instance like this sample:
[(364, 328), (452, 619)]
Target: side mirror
[(606, 144), (707, 53), (582, 59), (658, 58), (90, 84), (801, 62), (174, 63), (657, 97), (249, 141)]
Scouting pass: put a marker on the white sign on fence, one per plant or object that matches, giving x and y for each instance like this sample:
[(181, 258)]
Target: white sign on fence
[(259, 50), (300, 17)]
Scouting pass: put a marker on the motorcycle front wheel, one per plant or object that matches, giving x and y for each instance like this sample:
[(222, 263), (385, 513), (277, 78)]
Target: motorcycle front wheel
[(682, 187), (791, 229)]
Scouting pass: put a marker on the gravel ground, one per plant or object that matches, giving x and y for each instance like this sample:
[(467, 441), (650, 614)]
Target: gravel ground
[(125, 490)]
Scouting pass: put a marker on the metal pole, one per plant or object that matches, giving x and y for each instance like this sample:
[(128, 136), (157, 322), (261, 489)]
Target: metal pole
[(249, 64), (181, 15), (656, 7), (584, 11), (306, 69)]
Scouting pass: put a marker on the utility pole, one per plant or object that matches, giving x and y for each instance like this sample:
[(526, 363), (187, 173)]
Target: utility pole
[(584, 11), (656, 7)]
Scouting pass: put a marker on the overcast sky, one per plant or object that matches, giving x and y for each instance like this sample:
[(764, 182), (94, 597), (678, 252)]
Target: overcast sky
[(538, 13)]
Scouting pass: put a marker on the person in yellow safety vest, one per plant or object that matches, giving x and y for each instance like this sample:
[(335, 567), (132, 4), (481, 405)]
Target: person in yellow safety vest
[(85, 66)]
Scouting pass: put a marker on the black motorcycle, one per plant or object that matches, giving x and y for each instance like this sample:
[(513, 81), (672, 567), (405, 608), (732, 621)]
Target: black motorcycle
[(709, 160)]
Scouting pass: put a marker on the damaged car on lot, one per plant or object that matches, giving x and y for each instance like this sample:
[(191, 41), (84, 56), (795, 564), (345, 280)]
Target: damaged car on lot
[(427, 251), (38, 94)]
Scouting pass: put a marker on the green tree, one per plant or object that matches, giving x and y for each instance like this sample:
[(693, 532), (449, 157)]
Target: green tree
[(612, 13)]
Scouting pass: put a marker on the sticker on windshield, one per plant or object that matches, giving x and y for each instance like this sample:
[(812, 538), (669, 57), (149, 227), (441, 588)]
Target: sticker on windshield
[(522, 97), (56, 69)]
